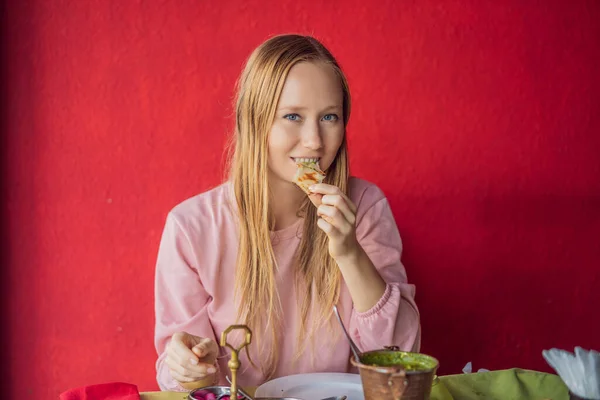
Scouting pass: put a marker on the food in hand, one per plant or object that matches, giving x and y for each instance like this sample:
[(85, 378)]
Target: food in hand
[(309, 173)]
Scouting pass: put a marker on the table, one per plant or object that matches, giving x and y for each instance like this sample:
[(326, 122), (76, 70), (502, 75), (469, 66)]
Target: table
[(504, 384)]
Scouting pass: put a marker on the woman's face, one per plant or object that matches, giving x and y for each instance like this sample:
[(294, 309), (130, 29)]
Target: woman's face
[(308, 122)]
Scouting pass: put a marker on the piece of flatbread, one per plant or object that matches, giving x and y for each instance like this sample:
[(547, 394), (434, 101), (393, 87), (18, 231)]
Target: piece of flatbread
[(308, 173)]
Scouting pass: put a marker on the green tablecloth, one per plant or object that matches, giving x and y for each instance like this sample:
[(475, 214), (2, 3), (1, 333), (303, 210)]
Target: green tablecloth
[(505, 384), (510, 384)]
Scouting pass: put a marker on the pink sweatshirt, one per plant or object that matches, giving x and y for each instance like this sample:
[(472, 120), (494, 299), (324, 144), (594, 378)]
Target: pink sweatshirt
[(195, 272)]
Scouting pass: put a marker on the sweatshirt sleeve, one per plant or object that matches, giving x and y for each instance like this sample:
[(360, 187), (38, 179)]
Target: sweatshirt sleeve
[(394, 320), (180, 298)]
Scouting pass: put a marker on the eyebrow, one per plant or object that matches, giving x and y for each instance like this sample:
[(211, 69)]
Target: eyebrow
[(298, 108)]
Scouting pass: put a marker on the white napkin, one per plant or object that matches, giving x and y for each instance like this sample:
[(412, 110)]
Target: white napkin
[(579, 371), (467, 369)]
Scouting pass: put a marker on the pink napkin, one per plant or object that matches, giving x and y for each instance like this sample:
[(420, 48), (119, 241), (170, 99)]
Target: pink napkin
[(104, 391)]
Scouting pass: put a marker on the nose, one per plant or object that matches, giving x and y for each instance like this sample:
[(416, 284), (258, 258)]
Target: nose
[(311, 137)]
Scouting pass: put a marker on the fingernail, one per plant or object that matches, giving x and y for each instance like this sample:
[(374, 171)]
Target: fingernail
[(211, 370), (193, 361)]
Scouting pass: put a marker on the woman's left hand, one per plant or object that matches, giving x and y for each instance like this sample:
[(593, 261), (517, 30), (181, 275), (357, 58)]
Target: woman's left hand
[(337, 219)]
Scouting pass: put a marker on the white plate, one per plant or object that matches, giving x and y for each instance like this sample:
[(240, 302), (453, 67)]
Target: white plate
[(314, 386)]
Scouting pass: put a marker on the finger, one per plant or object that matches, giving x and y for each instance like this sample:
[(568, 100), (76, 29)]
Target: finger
[(340, 203), (185, 367), (180, 351), (325, 189), (178, 377), (191, 371), (205, 348), (186, 378), (350, 203), (335, 217), (315, 198), (183, 337), (326, 227), (179, 369)]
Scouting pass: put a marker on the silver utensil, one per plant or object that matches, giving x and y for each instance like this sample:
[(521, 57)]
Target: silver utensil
[(353, 346)]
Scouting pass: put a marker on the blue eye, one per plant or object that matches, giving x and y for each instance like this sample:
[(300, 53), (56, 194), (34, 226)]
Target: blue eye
[(330, 117), (292, 117)]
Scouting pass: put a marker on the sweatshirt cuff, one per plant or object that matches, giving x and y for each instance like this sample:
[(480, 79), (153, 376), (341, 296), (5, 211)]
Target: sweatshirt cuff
[(378, 306)]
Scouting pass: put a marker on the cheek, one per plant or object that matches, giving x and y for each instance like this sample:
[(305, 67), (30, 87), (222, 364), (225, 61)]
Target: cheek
[(278, 141), (332, 145), (280, 145)]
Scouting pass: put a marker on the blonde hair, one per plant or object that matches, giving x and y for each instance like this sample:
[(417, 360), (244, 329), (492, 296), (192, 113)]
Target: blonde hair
[(317, 275)]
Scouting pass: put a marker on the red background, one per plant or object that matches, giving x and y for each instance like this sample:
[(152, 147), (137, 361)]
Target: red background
[(479, 119)]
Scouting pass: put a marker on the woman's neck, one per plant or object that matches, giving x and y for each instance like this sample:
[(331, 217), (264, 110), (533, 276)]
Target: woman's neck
[(286, 199)]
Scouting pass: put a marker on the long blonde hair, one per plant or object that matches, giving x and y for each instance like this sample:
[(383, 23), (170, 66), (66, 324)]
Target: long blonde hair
[(317, 276)]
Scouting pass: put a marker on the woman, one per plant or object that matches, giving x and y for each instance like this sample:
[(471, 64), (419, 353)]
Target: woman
[(291, 259)]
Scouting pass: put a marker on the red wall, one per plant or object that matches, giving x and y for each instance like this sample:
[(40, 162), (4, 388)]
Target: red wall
[(479, 119)]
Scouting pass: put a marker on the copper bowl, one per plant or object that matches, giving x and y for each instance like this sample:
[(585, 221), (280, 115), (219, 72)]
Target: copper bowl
[(390, 374)]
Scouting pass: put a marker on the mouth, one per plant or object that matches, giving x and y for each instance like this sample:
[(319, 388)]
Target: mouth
[(305, 159)]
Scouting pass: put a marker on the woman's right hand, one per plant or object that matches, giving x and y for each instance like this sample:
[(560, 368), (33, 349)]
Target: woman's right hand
[(191, 358)]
